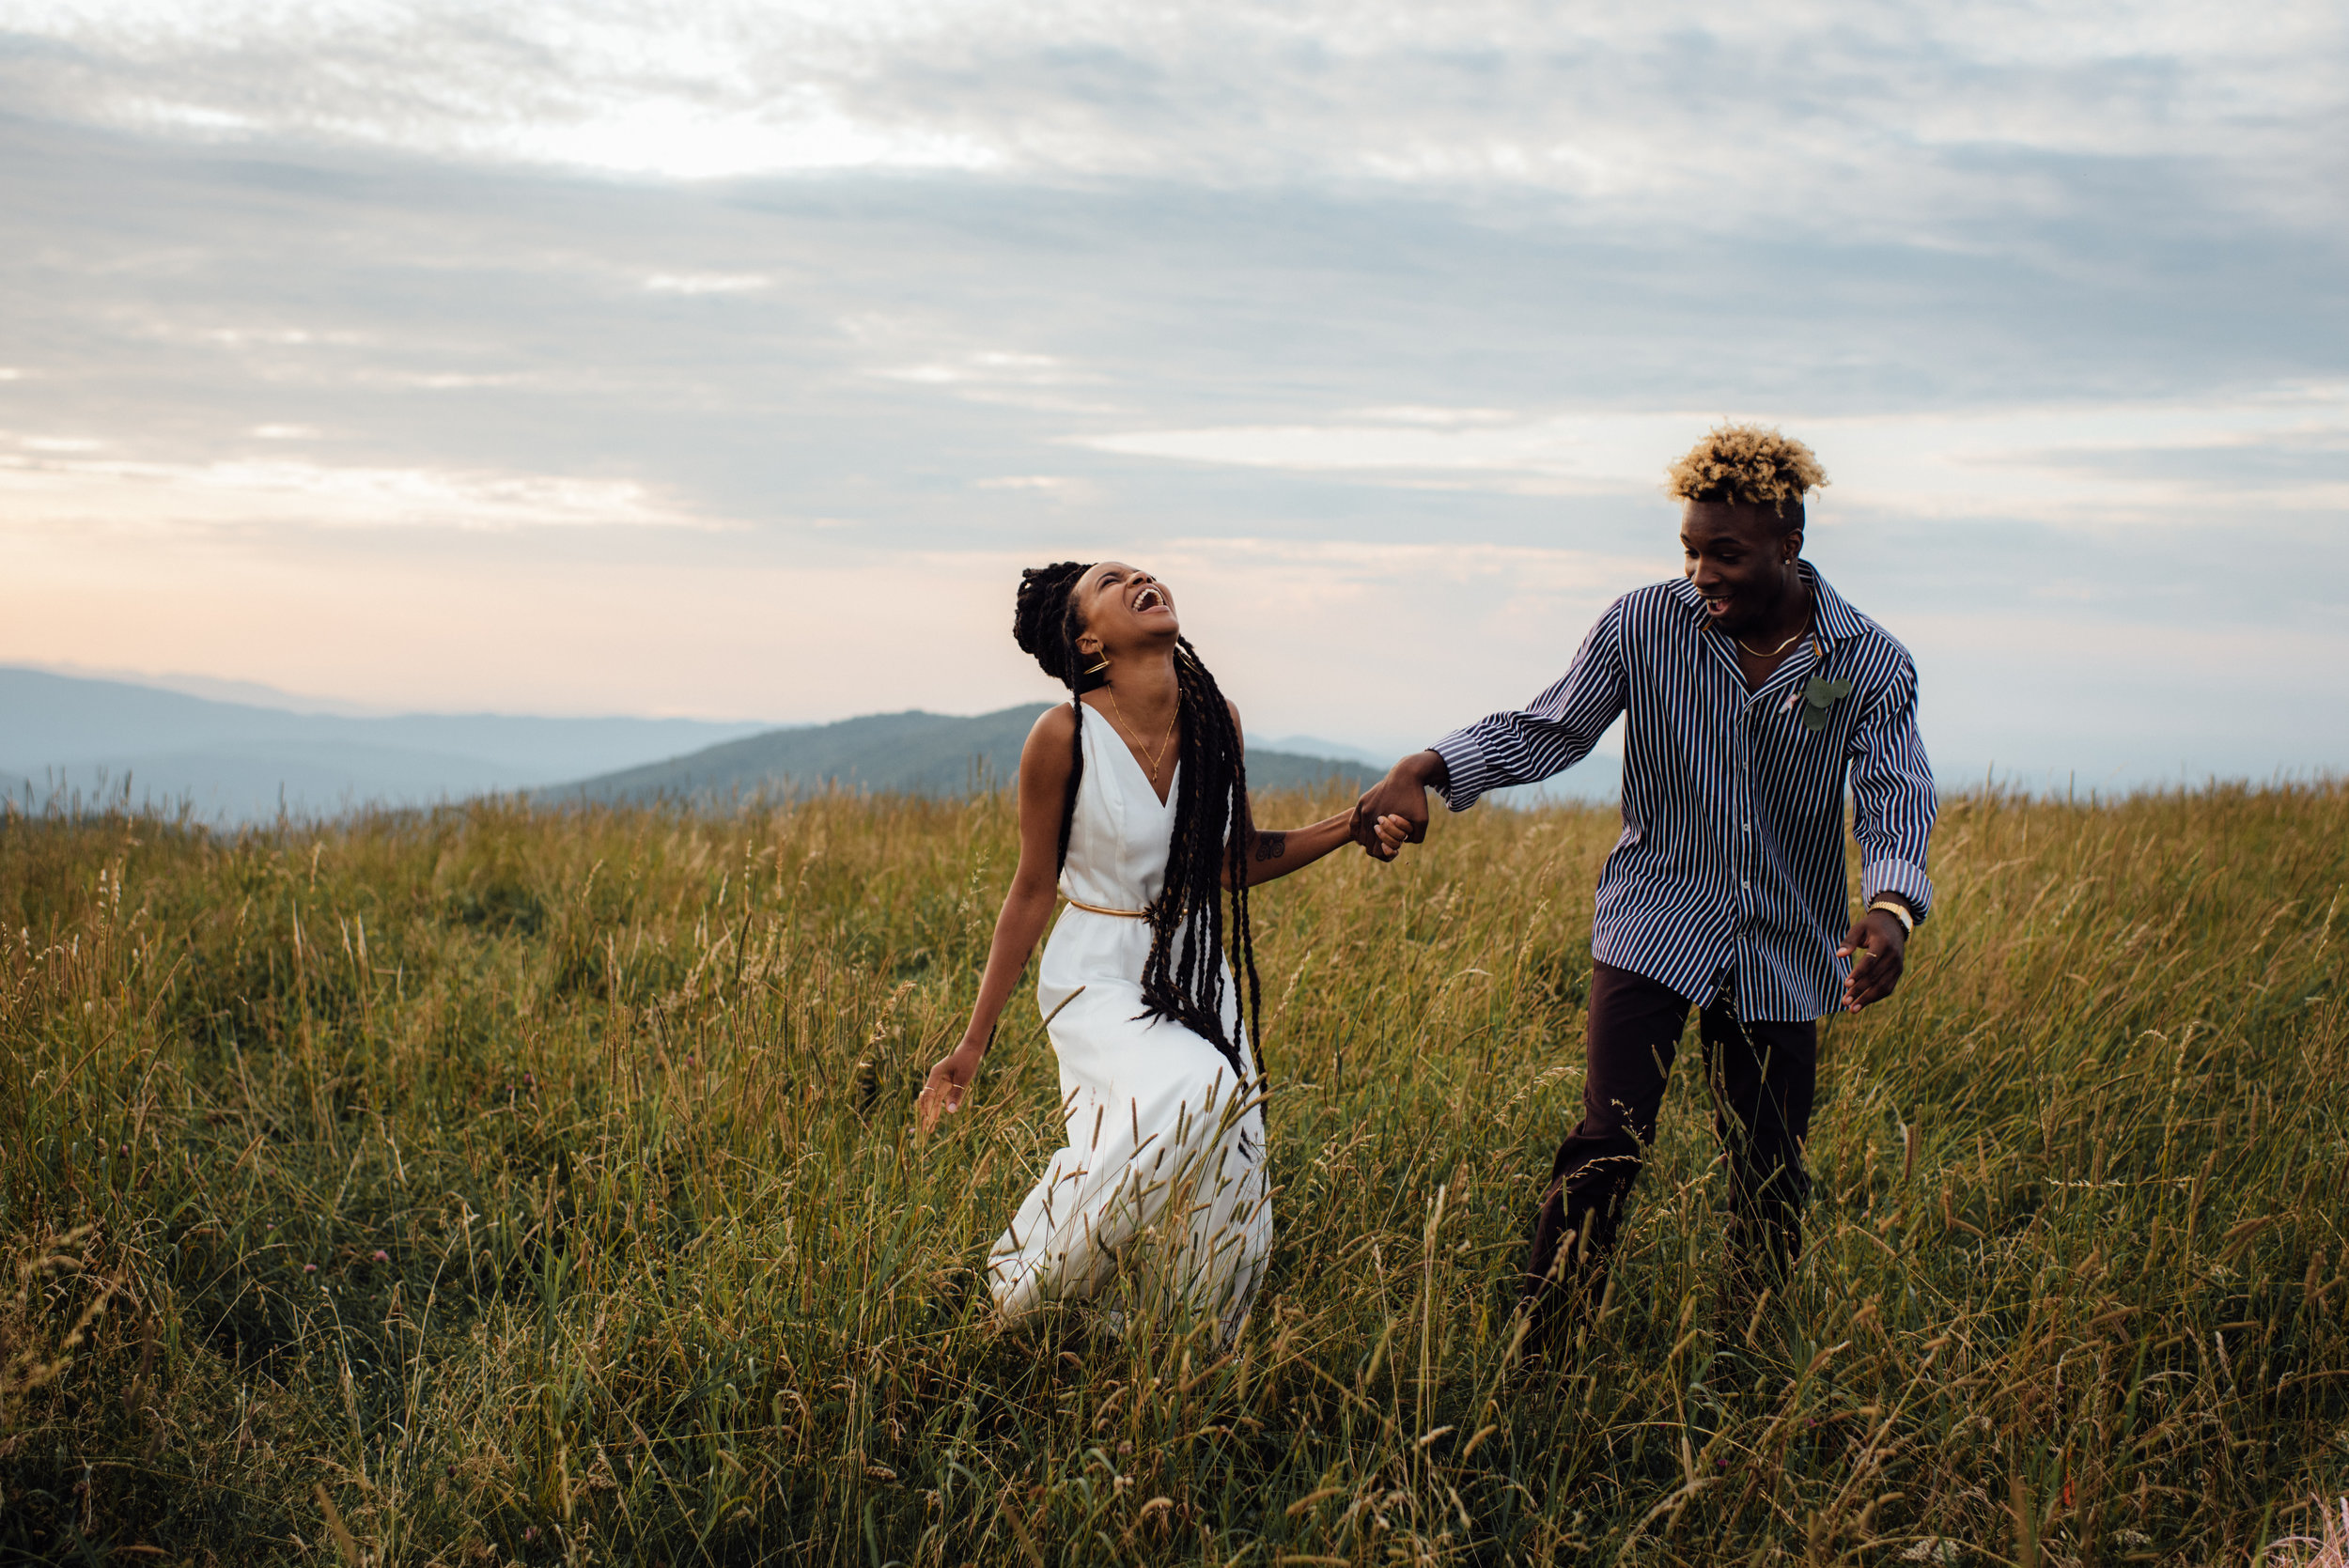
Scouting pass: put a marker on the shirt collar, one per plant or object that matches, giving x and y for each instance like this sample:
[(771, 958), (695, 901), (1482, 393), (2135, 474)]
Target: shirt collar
[(1835, 619)]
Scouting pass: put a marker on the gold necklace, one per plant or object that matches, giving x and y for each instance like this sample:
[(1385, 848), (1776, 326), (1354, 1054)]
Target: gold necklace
[(1775, 651), (1160, 755)]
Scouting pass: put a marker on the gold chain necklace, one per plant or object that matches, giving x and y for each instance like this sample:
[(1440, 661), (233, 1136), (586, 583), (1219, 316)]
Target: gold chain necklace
[(1160, 755), (1775, 651)]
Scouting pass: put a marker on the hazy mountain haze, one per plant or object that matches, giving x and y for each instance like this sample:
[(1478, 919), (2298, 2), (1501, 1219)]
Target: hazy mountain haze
[(240, 760), (95, 739)]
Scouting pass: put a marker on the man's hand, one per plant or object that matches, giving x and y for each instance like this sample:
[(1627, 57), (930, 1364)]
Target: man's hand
[(948, 1084), (1403, 793), (1877, 945)]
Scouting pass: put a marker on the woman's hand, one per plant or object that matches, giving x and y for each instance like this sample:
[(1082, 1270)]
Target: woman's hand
[(948, 1085), (1382, 836)]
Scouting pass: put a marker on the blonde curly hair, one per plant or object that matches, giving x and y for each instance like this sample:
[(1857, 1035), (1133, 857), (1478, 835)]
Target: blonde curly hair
[(1751, 464)]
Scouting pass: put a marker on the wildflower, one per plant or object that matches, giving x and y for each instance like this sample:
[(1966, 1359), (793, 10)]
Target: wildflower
[(382, 1256), (309, 1268)]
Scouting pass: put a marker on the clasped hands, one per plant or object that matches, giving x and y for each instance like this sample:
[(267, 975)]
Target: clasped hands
[(1393, 811)]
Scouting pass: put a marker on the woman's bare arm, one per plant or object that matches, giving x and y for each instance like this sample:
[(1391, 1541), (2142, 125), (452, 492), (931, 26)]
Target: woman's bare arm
[(1044, 765), (1277, 852)]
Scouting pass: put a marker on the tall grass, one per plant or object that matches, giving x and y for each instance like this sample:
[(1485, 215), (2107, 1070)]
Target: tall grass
[(490, 1184)]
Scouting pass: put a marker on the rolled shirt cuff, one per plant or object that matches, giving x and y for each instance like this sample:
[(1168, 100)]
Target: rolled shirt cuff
[(1905, 878), (1466, 774)]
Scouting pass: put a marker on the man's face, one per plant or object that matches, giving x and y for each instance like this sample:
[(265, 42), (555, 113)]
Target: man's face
[(1742, 559)]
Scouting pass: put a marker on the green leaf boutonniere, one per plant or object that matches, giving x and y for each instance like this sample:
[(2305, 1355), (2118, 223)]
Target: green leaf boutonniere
[(1819, 698)]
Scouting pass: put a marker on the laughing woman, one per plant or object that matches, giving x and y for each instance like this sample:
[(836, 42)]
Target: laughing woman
[(1133, 805)]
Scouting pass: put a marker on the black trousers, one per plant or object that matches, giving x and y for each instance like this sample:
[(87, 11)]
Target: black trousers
[(1762, 1077)]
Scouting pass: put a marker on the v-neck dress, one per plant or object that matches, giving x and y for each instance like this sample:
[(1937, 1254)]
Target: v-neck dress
[(1160, 1137)]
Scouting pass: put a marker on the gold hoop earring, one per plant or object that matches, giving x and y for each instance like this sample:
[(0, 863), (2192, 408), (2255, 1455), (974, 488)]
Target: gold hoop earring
[(1098, 668)]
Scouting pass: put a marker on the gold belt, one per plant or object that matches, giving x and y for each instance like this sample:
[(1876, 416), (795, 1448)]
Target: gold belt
[(1097, 910)]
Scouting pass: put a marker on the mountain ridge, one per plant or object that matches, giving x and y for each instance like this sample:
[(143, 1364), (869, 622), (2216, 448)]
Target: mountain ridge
[(72, 739), (84, 734), (912, 752)]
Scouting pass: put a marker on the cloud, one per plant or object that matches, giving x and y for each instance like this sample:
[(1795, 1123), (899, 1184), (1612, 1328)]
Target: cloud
[(707, 283), (1866, 117), (48, 484), (1054, 486), (2287, 450), (1555, 455), (990, 366), (1001, 376)]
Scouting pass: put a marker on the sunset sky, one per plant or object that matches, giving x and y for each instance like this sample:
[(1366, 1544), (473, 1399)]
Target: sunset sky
[(730, 360)]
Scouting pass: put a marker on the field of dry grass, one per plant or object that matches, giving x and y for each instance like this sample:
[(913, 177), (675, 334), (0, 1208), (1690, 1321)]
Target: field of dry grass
[(500, 1185)]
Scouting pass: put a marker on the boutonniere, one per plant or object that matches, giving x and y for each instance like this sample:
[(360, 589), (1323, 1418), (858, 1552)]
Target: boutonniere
[(1819, 698)]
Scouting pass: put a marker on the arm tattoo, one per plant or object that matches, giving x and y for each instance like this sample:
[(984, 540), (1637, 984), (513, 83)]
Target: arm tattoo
[(1271, 846)]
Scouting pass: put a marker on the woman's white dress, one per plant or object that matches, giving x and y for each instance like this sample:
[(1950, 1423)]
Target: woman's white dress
[(1164, 1149)]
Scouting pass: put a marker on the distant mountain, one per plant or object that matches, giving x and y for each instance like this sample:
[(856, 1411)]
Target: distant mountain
[(911, 754), (1596, 780), (241, 760), (1315, 746), (253, 693), (65, 737)]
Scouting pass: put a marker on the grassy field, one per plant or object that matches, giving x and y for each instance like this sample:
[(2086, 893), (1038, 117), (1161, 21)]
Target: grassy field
[(490, 1186)]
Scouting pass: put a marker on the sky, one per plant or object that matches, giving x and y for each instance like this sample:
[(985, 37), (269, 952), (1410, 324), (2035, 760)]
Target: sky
[(730, 360)]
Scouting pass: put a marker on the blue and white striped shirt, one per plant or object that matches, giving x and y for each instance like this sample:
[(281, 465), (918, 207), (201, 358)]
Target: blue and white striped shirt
[(1732, 851)]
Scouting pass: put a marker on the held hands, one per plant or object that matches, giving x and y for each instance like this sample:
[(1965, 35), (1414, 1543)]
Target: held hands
[(1383, 837), (1399, 799), (1878, 946)]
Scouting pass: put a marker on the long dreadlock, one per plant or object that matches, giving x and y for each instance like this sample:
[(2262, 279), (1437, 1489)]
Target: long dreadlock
[(1183, 977)]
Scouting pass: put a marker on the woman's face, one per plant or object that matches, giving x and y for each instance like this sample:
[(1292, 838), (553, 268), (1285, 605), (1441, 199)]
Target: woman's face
[(1124, 608)]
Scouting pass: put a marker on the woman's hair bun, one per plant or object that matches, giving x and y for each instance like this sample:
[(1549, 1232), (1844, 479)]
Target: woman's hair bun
[(1040, 615)]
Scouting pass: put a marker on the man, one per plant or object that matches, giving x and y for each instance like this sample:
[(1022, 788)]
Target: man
[(1750, 690)]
